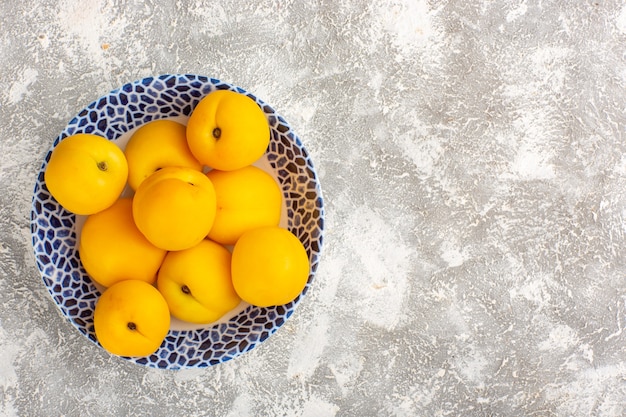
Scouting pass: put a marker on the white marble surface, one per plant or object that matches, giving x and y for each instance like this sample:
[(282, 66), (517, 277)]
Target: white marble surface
[(472, 159)]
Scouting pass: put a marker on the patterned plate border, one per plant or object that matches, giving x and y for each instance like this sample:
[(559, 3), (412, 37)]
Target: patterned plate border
[(53, 229)]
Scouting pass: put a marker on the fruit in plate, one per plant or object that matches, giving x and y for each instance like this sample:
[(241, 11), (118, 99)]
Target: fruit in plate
[(155, 145), (86, 173), (112, 249), (247, 198), (131, 318), (174, 208), (270, 266), (227, 130), (196, 283)]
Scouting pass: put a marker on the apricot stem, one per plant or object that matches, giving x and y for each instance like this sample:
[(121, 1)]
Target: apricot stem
[(185, 289), (217, 132), (103, 166), (132, 326)]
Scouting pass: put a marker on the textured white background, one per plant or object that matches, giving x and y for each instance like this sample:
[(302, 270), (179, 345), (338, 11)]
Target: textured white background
[(472, 159)]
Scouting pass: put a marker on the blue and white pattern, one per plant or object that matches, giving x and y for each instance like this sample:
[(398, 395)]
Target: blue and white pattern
[(54, 235)]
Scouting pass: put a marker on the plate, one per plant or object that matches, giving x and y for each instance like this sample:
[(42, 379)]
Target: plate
[(55, 231)]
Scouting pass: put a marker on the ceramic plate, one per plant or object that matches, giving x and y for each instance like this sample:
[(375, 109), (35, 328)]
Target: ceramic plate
[(115, 116)]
